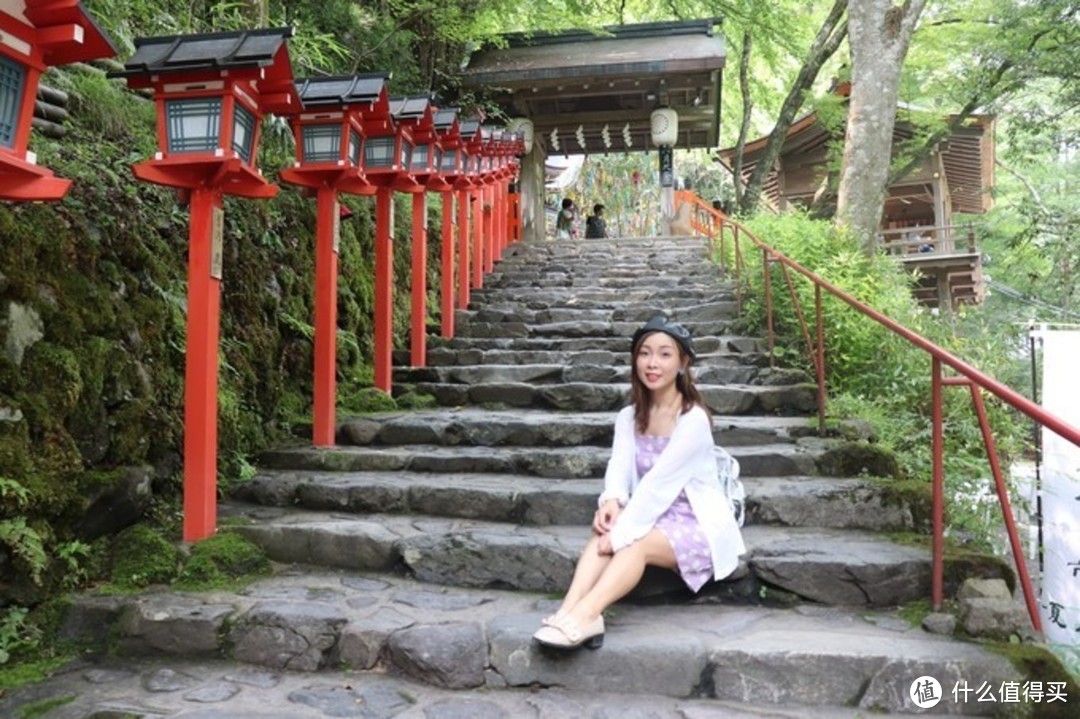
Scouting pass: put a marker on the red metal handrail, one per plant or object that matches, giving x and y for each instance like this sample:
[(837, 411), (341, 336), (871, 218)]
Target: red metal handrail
[(705, 219)]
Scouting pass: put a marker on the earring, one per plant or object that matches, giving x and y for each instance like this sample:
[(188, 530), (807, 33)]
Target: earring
[(681, 372)]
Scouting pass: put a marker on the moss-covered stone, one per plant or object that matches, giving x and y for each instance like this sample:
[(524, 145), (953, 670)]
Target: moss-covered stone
[(917, 496), (414, 400), (53, 372), (1039, 664), (223, 559), (962, 563), (142, 556), (853, 459), (366, 399)]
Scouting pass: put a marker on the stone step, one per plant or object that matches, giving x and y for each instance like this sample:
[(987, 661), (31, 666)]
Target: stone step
[(548, 374), (589, 330), (734, 343), (675, 274), (553, 462), (658, 661), (789, 399), (828, 566), (541, 279), (102, 687), (540, 428), (446, 357), (644, 247), (660, 298), (798, 501), (637, 314)]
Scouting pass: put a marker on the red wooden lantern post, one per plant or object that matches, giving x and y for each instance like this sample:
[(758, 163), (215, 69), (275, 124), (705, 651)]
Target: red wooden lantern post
[(513, 148), (34, 35), (329, 136), (470, 138), (478, 175), (211, 93), (387, 155), (417, 116), (449, 134)]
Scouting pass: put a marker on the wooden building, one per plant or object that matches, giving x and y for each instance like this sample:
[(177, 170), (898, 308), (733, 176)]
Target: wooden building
[(919, 223)]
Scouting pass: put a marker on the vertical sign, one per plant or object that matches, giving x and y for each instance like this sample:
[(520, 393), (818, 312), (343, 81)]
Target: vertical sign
[(667, 166), (1060, 601), (217, 236), (337, 225)]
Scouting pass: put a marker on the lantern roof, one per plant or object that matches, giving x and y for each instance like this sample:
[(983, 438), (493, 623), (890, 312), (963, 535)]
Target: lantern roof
[(470, 130), (446, 119), (447, 127), (261, 53), (417, 109), (77, 36), (416, 113), (344, 91)]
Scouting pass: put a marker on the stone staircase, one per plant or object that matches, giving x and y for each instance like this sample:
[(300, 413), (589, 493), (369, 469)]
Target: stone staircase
[(485, 501)]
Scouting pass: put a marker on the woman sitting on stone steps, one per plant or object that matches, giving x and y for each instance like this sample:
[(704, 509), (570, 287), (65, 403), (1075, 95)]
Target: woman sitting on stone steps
[(662, 503)]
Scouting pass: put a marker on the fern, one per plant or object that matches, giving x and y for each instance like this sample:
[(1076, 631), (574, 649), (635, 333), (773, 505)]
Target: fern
[(25, 542)]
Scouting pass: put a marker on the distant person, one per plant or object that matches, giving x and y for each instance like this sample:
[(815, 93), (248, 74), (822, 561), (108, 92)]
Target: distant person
[(564, 223), (595, 225)]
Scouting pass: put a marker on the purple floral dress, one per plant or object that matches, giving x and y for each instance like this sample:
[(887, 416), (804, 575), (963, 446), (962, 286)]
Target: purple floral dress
[(678, 522)]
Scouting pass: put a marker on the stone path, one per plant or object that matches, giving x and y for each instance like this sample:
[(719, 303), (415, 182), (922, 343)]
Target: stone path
[(428, 544), (417, 650)]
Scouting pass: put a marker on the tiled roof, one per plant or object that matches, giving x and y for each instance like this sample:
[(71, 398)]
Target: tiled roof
[(211, 51), (319, 91)]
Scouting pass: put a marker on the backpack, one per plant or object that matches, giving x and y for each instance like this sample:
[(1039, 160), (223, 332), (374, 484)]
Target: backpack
[(727, 472)]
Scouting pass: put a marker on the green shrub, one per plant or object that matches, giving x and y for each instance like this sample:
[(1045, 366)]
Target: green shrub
[(874, 374)]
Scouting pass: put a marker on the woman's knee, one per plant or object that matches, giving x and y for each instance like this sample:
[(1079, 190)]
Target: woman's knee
[(658, 550)]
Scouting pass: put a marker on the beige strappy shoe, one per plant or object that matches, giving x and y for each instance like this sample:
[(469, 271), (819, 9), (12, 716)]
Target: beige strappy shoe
[(564, 633)]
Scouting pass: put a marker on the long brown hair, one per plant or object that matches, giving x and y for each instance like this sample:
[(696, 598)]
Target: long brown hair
[(684, 383)]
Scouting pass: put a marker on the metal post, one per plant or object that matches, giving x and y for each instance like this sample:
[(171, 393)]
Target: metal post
[(820, 364), (769, 308), (1006, 508), (326, 277), (937, 580)]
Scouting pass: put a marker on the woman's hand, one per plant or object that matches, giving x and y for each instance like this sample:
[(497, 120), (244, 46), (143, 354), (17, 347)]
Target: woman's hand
[(605, 517)]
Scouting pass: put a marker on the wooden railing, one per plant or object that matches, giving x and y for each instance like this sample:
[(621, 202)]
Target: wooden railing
[(939, 240)]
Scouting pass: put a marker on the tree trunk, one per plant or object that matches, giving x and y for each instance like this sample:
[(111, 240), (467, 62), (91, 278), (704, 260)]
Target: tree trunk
[(747, 108), (825, 44), (879, 34)]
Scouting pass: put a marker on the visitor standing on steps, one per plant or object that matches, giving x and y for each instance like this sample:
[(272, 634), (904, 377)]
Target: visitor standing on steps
[(566, 219), (662, 503), (595, 224)]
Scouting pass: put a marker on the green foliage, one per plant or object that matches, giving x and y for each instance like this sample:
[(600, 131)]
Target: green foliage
[(16, 535), (16, 633), (874, 375), (42, 707), (226, 559)]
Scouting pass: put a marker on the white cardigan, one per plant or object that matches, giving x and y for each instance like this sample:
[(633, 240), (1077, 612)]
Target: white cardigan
[(687, 463)]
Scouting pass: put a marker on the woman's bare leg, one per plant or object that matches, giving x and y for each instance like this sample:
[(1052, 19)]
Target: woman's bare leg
[(621, 573), (589, 567)]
